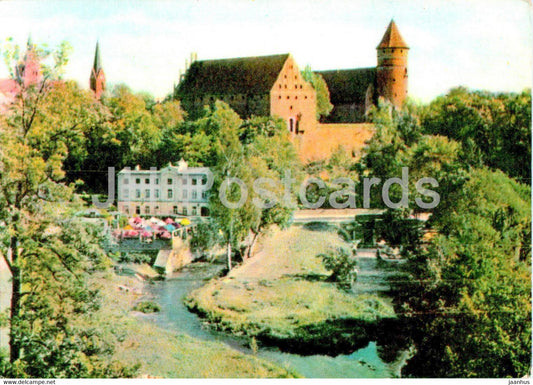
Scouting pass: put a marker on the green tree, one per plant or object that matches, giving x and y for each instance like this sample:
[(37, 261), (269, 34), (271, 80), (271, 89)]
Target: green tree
[(47, 256), (323, 104), (493, 128), (469, 299)]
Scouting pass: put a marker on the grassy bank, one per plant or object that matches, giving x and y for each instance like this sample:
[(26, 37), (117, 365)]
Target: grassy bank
[(164, 353), (281, 296)]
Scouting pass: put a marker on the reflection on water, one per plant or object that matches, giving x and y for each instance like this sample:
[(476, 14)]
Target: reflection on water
[(169, 294)]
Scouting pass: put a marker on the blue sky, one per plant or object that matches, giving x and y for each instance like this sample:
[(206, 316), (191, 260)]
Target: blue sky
[(479, 44)]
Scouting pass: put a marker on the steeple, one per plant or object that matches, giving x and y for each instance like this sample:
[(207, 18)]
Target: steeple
[(97, 66), (28, 71), (392, 66), (392, 38), (97, 80)]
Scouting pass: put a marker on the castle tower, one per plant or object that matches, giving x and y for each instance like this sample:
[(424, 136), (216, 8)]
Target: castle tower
[(392, 66), (29, 71), (97, 82)]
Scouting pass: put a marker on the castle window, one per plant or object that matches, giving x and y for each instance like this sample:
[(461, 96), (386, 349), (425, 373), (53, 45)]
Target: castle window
[(296, 86), (147, 209), (305, 96), (295, 77), (280, 86), (288, 97), (301, 86), (279, 97), (290, 108), (291, 124), (285, 76), (296, 97), (285, 86), (138, 210)]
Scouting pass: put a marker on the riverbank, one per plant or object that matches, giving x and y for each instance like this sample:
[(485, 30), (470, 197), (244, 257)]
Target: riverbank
[(281, 297), (165, 353)]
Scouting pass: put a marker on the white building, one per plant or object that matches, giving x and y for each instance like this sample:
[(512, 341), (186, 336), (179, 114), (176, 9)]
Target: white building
[(173, 190)]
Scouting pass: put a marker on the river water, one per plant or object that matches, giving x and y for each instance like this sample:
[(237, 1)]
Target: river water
[(362, 363)]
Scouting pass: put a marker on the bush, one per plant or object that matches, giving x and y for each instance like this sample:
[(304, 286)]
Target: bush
[(342, 267), (147, 307)]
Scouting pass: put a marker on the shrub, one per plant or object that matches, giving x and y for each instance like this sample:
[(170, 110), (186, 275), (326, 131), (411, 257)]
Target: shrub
[(342, 267), (147, 307)]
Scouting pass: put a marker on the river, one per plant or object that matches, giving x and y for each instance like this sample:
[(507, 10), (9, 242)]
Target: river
[(362, 363)]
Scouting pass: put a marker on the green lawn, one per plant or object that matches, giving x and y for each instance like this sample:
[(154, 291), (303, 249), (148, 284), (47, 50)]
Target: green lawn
[(282, 290)]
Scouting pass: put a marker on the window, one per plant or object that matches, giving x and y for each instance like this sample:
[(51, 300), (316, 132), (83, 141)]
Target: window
[(291, 125), (194, 181), (137, 193), (147, 180), (184, 181), (157, 193), (301, 86), (147, 193), (126, 181), (175, 209), (137, 180), (288, 97), (127, 210), (279, 97), (126, 193), (296, 97), (184, 194), (280, 86), (204, 195), (285, 76), (290, 108), (169, 181), (195, 194), (138, 210), (156, 180), (194, 211), (156, 209), (296, 86), (204, 180), (185, 211), (305, 96), (169, 193), (147, 210)]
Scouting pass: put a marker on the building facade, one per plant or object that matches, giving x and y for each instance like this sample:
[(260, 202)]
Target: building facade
[(173, 190), (261, 86)]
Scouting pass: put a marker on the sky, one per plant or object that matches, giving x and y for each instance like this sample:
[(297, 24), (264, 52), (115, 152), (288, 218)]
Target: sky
[(480, 44)]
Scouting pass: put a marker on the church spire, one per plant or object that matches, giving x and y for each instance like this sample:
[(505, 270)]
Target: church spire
[(97, 80), (97, 66)]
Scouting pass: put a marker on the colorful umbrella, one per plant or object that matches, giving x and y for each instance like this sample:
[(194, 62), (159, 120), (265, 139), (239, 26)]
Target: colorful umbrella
[(170, 228), (169, 220), (185, 222), (128, 227)]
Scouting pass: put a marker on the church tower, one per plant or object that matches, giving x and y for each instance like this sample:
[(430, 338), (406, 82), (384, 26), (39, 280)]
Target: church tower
[(392, 66), (29, 71), (97, 82)]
